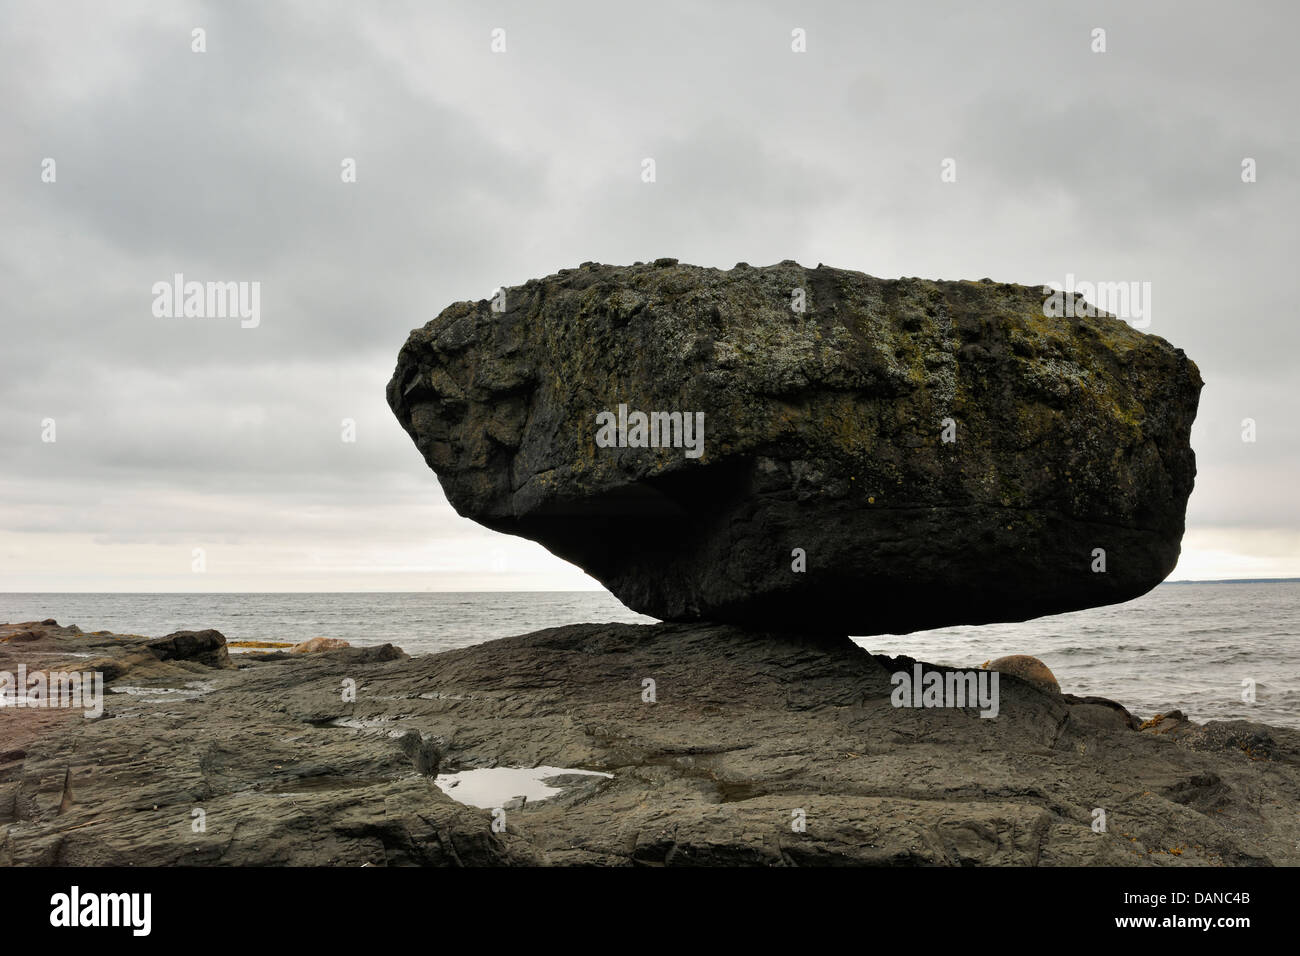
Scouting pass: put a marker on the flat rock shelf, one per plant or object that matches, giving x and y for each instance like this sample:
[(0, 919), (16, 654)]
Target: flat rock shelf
[(748, 732)]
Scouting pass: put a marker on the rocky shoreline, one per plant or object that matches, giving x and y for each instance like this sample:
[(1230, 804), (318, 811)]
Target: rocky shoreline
[(747, 748)]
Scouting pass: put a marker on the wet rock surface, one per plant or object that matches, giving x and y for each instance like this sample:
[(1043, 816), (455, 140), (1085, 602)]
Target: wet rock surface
[(746, 731), (824, 431)]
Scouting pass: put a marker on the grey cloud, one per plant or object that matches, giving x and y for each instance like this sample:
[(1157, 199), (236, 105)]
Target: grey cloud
[(477, 170)]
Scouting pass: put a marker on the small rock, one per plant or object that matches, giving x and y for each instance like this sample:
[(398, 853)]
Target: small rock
[(206, 647), (319, 644), (376, 653), (1027, 668), (425, 751)]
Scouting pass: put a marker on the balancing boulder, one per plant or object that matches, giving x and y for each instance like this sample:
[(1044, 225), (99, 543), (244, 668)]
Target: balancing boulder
[(811, 449)]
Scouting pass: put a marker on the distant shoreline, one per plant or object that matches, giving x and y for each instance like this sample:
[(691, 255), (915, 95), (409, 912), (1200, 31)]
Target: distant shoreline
[(564, 590), (1232, 581)]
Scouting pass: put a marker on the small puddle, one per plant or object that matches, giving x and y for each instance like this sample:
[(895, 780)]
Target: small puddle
[(490, 787), (362, 723)]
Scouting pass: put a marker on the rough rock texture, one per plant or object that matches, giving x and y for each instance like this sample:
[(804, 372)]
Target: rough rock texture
[(746, 729), (823, 432)]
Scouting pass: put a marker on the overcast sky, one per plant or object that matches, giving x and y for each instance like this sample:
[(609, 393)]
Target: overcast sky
[(477, 169)]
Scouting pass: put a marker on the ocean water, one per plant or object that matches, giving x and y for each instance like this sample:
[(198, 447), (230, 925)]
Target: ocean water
[(1188, 646)]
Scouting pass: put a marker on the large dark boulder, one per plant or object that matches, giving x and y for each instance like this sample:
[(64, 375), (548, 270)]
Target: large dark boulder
[(206, 647), (824, 431)]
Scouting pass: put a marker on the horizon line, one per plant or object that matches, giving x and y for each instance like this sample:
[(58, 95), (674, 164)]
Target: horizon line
[(562, 590)]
